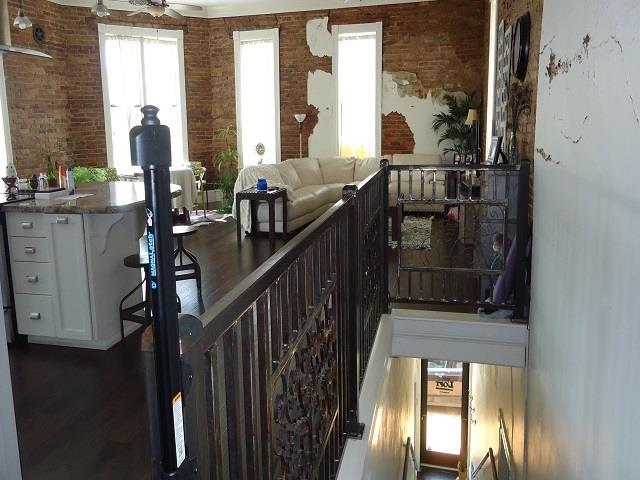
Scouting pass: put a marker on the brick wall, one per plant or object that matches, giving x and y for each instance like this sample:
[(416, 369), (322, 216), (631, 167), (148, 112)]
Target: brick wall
[(509, 11), (56, 105)]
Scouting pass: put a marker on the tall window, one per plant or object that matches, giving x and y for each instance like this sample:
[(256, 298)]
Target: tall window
[(257, 95), (5, 134), (491, 83), (142, 66), (357, 65)]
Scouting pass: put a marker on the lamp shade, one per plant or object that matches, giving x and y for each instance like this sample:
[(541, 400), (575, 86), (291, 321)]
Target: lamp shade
[(22, 21), (100, 10), (472, 117), (300, 117)]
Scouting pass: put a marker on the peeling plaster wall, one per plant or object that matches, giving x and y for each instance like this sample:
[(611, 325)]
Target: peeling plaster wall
[(319, 38), (402, 94), (321, 94), (582, 419)]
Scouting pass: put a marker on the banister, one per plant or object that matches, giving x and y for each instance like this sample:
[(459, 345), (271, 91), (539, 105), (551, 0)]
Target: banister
[(409, 454)]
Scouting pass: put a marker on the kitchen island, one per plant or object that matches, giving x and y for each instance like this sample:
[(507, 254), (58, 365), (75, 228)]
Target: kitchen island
[(66, 256)]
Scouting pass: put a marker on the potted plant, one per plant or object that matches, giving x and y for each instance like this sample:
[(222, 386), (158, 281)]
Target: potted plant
[(457, 136), (52, 171), (226, 161)]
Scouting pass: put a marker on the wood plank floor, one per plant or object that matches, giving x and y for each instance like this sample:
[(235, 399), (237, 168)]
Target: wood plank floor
[(81, 414)]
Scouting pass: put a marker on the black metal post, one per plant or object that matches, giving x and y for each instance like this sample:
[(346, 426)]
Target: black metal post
[(522, 239), (150, 145)]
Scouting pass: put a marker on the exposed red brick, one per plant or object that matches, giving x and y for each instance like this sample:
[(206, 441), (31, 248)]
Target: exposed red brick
[(56, 105)]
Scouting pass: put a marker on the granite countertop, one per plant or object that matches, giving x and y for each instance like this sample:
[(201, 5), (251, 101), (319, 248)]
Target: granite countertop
[(107, 197)]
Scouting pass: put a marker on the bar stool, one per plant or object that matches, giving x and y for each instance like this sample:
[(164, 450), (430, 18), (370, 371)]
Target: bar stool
[(132, 313), (191, 270)]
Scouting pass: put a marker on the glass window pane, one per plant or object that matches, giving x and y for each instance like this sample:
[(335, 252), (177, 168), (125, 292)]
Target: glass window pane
[(357, 94), (257, 101), (143, 70), (4, 123)]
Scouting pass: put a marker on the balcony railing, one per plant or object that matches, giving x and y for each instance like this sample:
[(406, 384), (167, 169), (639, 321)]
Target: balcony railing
[(272, 378), (272, 372), (464, 211)]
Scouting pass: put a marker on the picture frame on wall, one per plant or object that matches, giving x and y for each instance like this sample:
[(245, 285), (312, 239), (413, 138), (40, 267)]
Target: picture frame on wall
[(495, 151)]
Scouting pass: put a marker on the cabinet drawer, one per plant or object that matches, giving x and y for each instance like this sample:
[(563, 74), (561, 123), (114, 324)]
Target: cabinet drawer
[(32, 277), (30, 249), (35, 315), (28, 225)]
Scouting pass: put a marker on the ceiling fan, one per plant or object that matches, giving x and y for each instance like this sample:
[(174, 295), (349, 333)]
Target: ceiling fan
[(158, 9)]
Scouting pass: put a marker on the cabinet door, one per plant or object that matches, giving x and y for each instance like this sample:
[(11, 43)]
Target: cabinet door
[(67, 238)]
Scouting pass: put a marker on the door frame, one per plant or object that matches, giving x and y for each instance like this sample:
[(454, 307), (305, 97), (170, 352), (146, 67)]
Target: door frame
[(439, 459)]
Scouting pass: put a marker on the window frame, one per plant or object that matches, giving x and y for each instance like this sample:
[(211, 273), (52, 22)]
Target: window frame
[(103, 31), (4, 111), (239, 36), (491, 74), (336, 31)]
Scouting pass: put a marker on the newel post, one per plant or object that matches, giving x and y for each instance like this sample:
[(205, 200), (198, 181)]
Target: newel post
[(384, 166), (522, 240), (354, 428)]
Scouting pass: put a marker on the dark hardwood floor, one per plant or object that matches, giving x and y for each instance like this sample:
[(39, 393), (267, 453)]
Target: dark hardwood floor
[(81, 414), (430, 473)]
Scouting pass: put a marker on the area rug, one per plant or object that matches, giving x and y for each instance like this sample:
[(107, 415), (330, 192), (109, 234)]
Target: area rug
[(210, 216), (416, 234)]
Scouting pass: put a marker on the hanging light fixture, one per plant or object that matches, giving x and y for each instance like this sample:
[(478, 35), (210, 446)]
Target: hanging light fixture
[(22, 21), (100, 10)]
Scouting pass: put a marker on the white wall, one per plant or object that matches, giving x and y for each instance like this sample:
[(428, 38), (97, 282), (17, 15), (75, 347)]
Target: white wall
[(388, 407), (493, 388), (583, 420)]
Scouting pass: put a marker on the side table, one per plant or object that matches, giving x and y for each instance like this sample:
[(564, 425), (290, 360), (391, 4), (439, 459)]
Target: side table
[(270, 196)]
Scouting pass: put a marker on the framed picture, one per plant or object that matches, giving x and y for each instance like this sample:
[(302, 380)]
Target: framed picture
[(469, 159), (495, 150), (458, 159)]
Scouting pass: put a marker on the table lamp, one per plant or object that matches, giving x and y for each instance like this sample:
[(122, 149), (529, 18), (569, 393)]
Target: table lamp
[(473, 119)]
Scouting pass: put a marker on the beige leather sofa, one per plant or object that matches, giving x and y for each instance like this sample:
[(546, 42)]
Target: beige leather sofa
[(314, 185)]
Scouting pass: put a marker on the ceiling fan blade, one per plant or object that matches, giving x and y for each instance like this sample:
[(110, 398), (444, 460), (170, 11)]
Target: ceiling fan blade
[(186, 7), (136, 12), (172, 13)]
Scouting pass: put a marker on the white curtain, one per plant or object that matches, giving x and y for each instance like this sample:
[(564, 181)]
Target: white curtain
[(142, 71), (357, 94), (257, 101)]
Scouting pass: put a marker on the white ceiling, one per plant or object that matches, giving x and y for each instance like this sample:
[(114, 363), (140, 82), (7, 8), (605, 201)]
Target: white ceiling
[(235, 8)]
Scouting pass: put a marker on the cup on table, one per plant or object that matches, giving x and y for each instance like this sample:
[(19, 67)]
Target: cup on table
[(261, 186)]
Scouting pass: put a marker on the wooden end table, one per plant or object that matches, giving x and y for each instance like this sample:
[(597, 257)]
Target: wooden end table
[(270, 196)]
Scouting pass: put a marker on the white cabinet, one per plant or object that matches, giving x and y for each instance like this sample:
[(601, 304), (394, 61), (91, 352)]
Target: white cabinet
[(49, 269), (69, 277)]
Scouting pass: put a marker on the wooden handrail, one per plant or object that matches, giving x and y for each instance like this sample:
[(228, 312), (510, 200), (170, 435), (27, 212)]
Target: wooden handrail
[(488, 456), (274, 374), (409, 454)]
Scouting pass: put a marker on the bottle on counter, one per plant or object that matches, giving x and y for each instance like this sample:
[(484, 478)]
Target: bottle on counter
[(42, 182), (62, 176), (71, 188)]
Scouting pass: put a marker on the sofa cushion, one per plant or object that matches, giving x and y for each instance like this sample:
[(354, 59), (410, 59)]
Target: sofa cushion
[(308, 170), (365, 167), (289, 174), (334, 191), (416, 159), (301, 201), (337, 169)]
